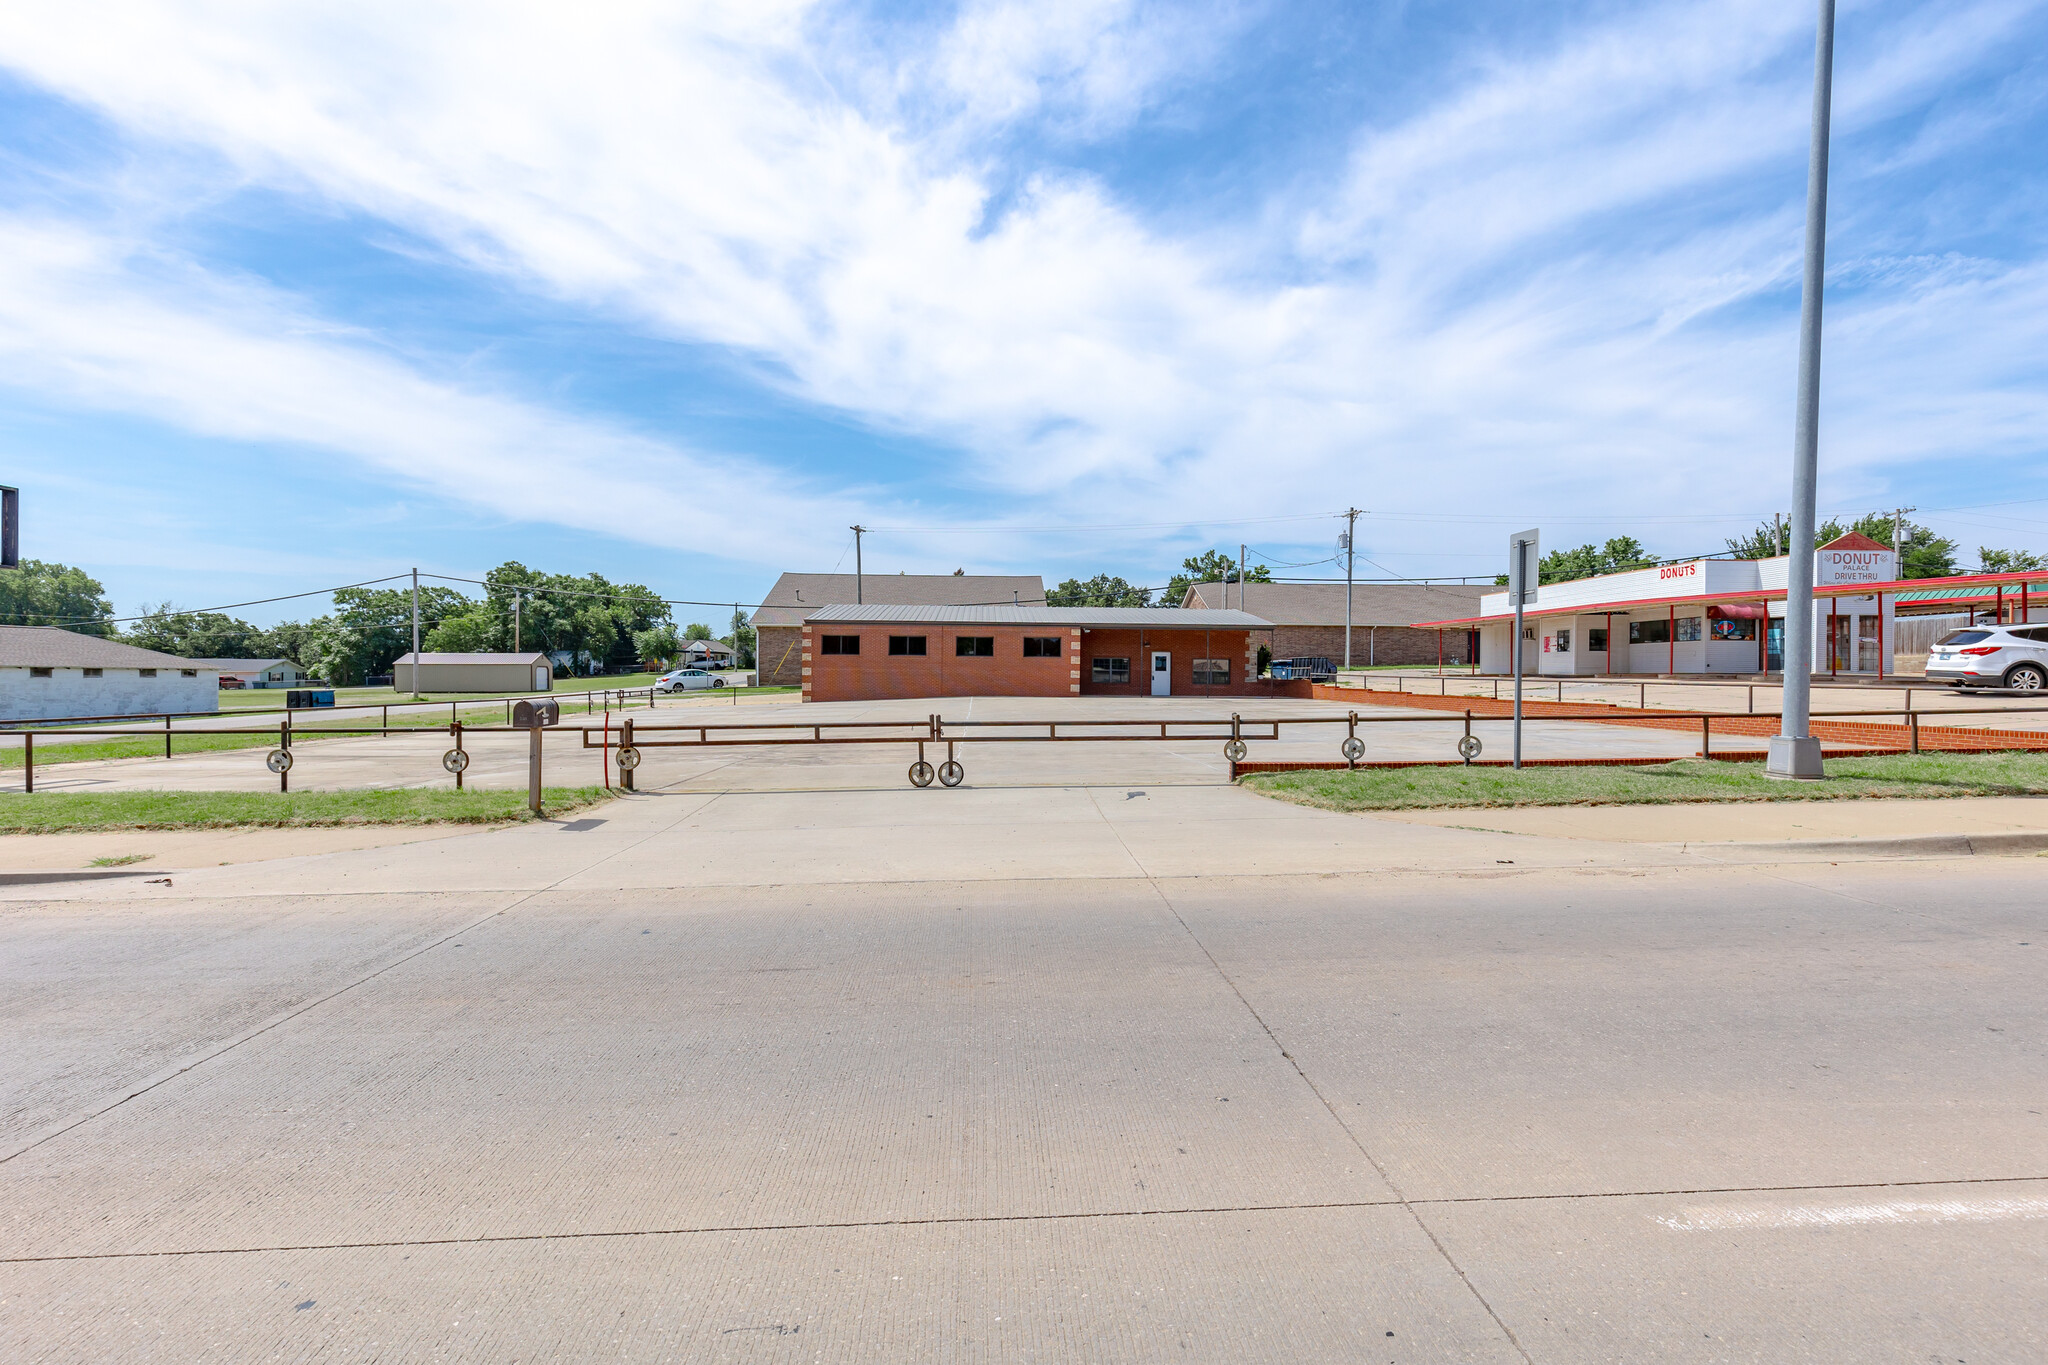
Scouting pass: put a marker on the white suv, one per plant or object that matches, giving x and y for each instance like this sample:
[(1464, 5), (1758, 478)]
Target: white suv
[(1992, 656)]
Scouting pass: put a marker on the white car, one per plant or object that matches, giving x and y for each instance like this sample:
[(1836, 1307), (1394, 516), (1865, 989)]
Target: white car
[(686, 680), (1992, 656)]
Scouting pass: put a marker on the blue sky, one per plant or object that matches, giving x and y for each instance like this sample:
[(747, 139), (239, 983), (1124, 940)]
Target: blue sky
[(308, 294)]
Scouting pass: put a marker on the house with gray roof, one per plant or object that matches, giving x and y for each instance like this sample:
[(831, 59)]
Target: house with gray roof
[(48, 673)]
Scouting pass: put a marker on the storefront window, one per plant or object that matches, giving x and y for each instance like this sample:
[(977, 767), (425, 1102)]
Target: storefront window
[(1733, 630), (1110, 670), (1564, 642), (1596, 640), (1655, 632), (1212, 672), (1688, 629)]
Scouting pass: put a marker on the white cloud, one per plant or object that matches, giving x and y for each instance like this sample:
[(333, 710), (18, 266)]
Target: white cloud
[(1463, 321), (86, 321)]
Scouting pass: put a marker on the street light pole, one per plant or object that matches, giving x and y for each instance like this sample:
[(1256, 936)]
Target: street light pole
[(858, 532), (1794, 752)]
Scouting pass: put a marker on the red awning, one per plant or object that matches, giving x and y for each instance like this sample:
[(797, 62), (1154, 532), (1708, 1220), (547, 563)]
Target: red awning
[(1738, 611)]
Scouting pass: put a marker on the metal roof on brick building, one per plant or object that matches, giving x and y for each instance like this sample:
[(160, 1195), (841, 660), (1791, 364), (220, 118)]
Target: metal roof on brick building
[(1159, 618), (796, 595)]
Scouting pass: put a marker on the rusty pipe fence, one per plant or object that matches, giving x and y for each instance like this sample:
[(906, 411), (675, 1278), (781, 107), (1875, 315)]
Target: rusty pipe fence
[(624, 740)]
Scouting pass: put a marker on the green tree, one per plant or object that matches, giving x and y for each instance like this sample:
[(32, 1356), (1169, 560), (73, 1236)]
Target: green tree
[(195, 634), (1618, 555), (1211, 566), (659, 646), (1103, 590), (41, 593), (2008, 561), (586, 616), (469, 632), (696, 630), (285, 640), (1765, 542)]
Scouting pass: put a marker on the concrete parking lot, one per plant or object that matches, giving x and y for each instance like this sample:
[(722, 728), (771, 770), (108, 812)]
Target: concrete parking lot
[(1093, 1073), (499, 759)]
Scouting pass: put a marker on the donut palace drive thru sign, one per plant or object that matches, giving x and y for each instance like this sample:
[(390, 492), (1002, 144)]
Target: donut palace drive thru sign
[(1854, 566)]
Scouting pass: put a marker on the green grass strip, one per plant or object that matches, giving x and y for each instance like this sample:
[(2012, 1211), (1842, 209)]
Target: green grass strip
[(1687, 780), (77, 812)]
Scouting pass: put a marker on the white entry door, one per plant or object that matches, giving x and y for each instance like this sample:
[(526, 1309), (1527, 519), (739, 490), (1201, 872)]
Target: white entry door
[(542, 676), (1162, 675)]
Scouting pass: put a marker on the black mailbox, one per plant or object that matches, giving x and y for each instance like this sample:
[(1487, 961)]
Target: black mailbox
[(312, 696), (531, 715)]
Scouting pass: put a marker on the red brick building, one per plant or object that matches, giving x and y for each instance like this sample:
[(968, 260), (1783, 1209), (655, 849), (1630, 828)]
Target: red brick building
[(871, 652), (1308, 619)]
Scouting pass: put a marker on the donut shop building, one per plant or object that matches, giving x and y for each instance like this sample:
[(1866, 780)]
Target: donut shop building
[(1701, 617), (875, 651)]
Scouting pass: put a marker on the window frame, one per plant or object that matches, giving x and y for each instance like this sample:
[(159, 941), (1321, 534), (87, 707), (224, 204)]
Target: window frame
[(1637, 630), (972, 646), (35, 672), (900, 647), (1106, 671), (94, 672), (1044, 647), (836, 645), (1205, 672)]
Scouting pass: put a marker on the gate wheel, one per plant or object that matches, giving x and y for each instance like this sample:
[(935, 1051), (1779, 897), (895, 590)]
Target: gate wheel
[(951, 774), (1234, 750), (1353, 748), (920, 774)]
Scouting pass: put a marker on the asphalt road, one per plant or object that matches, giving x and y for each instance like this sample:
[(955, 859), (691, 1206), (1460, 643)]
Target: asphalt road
[(1085, 1075)]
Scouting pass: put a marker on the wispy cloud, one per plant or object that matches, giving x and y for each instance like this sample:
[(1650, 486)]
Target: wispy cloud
[(1540, 287)]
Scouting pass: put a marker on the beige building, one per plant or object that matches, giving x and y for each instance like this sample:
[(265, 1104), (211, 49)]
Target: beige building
[(779, 621), (498, 673)]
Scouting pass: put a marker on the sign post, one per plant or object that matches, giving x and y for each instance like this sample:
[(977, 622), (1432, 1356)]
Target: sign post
[(1524, 554)]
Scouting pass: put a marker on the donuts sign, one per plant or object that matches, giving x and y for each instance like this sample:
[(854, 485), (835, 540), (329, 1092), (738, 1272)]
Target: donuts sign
[(1854, 566)]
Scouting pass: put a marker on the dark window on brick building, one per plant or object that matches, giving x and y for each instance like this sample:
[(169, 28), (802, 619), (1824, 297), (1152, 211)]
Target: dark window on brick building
[(840, 644), (1212, 672), (1111, 670), (1041, 647), (975, 646), (907, 644)]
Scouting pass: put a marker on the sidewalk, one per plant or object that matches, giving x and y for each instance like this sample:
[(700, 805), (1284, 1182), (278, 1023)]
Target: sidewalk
[(1752, 822)]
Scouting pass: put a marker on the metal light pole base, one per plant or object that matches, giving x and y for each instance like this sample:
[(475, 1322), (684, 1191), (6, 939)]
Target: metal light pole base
[(1794, 760)]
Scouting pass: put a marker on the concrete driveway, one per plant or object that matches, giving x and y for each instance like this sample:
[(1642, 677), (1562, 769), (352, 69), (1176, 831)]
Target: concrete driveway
[(499, 759), (1110, 1073)]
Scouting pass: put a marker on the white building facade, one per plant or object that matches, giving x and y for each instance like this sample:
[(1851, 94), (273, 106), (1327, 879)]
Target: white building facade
[(52, 674), (1704, 616)]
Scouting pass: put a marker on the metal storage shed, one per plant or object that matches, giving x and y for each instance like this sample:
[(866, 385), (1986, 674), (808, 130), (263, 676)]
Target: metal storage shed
[(528, 672)]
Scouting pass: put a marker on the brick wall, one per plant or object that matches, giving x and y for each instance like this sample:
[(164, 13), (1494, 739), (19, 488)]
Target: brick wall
[(779, 651), (875, 673), (1237, 647), (1381, 644)]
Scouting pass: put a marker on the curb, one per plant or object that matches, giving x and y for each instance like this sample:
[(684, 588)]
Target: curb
[(1901, 846), (83, 874)]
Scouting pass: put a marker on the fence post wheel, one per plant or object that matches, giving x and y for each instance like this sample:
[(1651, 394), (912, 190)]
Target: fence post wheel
[(625, 743)]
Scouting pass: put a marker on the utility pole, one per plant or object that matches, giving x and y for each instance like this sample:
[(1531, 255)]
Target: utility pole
[(858, 532), (1898, 538), (1794, 752), (1777, 534), (1240, 580), (517, 598), (415, 634), (1524, 568), (1351, 515)]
